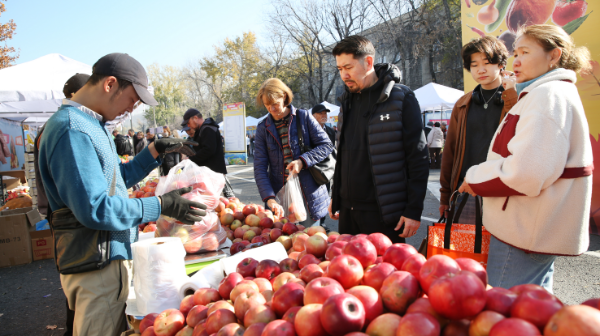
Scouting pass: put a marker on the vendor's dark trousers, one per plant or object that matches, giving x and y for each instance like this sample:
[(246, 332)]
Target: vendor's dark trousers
[(357, 221), (435, 157), (70, 319), (227, 189)]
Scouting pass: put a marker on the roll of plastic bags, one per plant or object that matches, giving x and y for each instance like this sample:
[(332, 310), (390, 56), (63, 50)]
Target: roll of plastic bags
[(159, 272)]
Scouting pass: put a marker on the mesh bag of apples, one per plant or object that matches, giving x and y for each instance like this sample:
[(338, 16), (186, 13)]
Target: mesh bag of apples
[(290, 198), (206, 235)]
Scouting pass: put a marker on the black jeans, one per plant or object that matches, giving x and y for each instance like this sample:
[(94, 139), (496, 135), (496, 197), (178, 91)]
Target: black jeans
[(436, 159), (357, 221)]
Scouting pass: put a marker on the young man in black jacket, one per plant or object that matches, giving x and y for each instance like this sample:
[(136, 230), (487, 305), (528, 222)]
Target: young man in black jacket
[(381, 173), (209, 152)]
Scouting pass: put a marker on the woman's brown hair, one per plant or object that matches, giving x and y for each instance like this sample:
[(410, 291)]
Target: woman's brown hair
[(551, 37), (272, 89)]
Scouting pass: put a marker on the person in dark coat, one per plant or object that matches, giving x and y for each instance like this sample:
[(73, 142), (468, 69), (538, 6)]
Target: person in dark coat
[(381, 172), (319, 111), (141, 142), (209, 152), (277, 153)]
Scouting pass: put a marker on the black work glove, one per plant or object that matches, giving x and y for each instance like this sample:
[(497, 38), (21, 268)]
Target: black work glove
[(183, 210), (170, 145)]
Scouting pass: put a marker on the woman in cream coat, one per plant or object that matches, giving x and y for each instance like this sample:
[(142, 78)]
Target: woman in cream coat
[(536, 183)]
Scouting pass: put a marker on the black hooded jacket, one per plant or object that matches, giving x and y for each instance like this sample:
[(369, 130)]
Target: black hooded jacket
[(209, 152), (382, 161)]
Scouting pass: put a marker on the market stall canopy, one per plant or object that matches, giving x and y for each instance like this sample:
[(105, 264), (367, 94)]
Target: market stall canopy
[(40, 79), (436, 97)]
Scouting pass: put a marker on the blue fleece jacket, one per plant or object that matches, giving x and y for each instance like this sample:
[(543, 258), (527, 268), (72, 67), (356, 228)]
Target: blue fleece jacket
[(78, 162)]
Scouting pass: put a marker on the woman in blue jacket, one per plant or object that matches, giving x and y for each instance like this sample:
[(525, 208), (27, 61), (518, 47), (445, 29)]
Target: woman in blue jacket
[(277, 152)]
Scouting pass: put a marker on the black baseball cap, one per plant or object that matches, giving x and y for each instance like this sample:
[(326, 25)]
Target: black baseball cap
[(75, 83), (126, 68), (188, 114), (319, 108)]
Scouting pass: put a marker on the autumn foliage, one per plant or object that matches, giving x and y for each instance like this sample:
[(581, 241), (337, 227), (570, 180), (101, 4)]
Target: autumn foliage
[(7, 54)]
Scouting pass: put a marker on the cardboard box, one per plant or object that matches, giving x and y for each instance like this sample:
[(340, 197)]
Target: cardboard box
[(15, 242), (31, 214), (42, 245)]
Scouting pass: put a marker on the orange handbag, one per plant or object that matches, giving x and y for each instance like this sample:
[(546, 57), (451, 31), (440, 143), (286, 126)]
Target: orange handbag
[(459, 240)]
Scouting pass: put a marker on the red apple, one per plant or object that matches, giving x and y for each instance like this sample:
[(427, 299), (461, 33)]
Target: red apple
[(231, 329), (310, 272), (371, 301), (375, 274), (239, 215), (290, 314), (227, 284), (422, 305), (249, 235), (219, 319), (380, 241), (398, 253), (299, 240), (574, 320), (260, 239), (235, 225), (399, 290), (252, 220), (255, 329), (514, 326), (342, 314), (307, 260), (196, 314), (518, 289), (147, 321), (247, 300), (324, 265), (168, 322), (536, 306), (434, 268), (249, 209), (278, 225), (258, 314), (384, 325), (458, 296), (257, 230), (347, 270), (236, 247), (500, 300), (316, 245), (267, 269), (247, 267), (468, 264), (308, 321), (275, 233), (456, 328), (266, 223), (186, 305), (363, 250), (282, 279), (289, 228), (279, 328), (241, 287), (222, 304), (288, 265), (413, 264), (318, 290), (285, 241), (263, 284), (483, 323), (227, 219), (418, 324), (345, 237), (268, 294), (204, 296), (335, 250), (332, 237), (289, 295), (360, 235), (592, 303), (240, 232), (189, 331)]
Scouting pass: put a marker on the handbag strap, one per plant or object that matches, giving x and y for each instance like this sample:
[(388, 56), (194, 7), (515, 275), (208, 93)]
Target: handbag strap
[(452, 217), (478, 226)]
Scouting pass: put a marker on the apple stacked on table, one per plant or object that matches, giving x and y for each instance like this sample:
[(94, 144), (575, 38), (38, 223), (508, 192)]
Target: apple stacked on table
[(365, 285), (147, 190)]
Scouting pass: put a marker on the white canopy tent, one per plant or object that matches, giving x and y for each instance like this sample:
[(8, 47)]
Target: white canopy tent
[(40, 79), (436, 97)]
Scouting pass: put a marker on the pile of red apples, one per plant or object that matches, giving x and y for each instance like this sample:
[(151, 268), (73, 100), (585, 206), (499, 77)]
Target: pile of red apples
[(365, 285), (252, 224)]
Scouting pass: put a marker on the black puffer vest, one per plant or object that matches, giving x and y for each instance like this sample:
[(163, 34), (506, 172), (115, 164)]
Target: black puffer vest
[(386, 148)]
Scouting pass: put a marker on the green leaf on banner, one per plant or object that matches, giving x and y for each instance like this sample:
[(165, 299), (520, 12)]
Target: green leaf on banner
[(573, 25)]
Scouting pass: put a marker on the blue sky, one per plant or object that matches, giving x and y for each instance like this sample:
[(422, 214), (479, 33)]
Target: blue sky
[(164, 32)]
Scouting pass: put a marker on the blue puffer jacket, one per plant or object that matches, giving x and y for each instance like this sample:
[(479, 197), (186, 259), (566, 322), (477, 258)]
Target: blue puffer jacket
[(268, 159)]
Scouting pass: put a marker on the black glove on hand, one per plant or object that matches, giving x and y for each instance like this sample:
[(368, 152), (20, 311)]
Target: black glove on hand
[(175, 206), (170, 145)]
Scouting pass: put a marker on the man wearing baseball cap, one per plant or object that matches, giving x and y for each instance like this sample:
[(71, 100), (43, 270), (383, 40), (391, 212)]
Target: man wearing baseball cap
[(319, 112), (84, 180)]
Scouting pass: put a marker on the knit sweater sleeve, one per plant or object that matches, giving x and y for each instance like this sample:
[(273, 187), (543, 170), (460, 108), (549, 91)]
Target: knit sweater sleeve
[(81, 186), (531, 160)]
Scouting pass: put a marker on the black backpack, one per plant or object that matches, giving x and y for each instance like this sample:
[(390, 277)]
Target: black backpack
[(123, 145)]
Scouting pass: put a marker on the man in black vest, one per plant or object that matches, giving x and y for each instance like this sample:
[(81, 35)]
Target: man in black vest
[(209, 152), (382, 169)]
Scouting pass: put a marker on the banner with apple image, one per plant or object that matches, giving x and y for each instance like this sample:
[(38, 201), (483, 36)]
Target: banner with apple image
[(503, 18)]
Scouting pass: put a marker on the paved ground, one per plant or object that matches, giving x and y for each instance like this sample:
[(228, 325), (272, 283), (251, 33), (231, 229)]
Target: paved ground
[(31, 298)]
